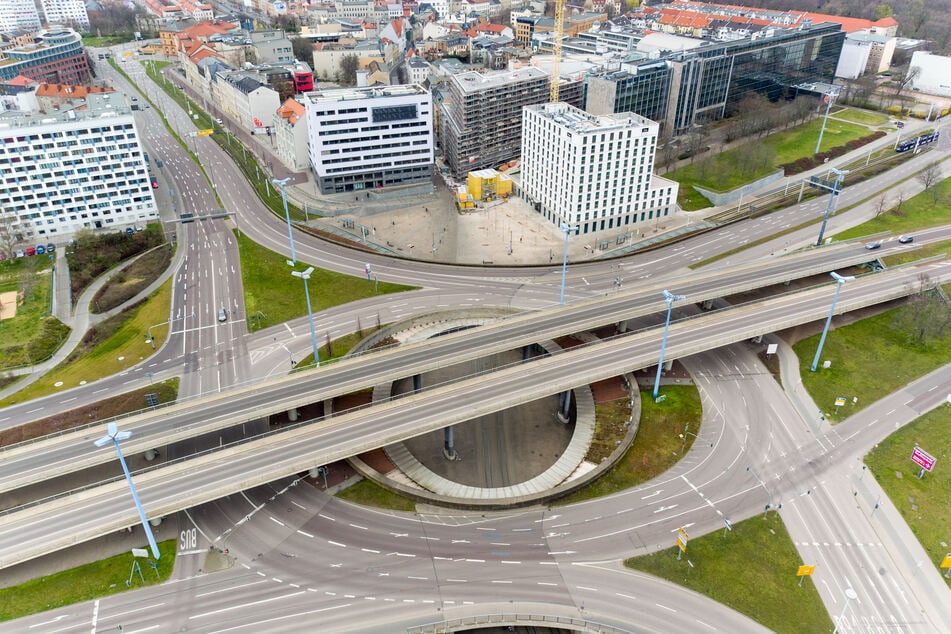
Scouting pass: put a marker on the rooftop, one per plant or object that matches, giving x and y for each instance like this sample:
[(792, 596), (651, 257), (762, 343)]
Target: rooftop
[(358, 94), (97, 106), (472, 81), (582, 122)]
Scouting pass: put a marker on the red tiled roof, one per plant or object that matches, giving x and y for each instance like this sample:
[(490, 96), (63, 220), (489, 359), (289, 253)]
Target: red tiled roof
[(291, 110), (65, 91)]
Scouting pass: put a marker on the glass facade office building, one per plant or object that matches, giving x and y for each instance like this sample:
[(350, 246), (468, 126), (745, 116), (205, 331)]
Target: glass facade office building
[(705, 83)]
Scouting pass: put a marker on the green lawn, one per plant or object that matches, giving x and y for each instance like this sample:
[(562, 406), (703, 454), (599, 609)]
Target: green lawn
[(270, 290), (918, 212), (925, 504), (864, 117), (369, 493), (657, 445), (870, 359), (90, 581), (752, 569), (32, 335), (756, 159), (109, 348)]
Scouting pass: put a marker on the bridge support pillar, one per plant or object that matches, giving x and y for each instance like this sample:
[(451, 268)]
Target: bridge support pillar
[(417, 382), (668, 365), (707, 304), (292, 414), (622, 327), (448, 448), (564, 406), (526, 353)]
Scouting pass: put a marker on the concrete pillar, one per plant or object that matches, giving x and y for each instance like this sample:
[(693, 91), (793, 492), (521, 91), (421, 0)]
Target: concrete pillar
[(564, 406), (417, 382), (292, 414), (526, 352), (668, 365), (448, 449), (622, 327)]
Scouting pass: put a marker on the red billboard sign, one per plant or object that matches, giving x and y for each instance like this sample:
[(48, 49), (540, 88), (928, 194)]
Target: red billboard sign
[(923, 459)]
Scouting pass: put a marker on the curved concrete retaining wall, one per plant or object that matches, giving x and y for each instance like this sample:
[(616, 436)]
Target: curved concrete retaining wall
[(725, 198)]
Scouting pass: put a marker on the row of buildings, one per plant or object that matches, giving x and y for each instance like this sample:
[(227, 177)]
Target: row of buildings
[(18, 16)]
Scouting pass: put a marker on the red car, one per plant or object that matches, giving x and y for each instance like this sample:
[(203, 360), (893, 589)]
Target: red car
[(30, 251), (154, 184)]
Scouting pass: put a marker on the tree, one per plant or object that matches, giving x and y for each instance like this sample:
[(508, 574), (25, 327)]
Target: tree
[(908, 78), (349, 64), (303, 50), (883, 11), (929, 177), (881, 204), (926, 316), (896, 209)]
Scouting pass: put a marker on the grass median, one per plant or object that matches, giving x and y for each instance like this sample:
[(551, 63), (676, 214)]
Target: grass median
[(272, 295), (751, 569), (90, 581), (925, 504)]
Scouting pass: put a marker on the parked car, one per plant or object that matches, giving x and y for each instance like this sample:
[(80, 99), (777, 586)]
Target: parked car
[(154, 184), (158, 162), (30, 251), (130, 231), (40, 249), (50, 247), (906, 239), (873, 245), (20, 253)]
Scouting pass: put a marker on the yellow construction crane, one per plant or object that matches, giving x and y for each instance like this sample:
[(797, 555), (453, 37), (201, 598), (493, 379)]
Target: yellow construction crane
[(556, 49)]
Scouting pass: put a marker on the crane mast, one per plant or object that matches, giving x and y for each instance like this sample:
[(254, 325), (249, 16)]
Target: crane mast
[(556, 49)]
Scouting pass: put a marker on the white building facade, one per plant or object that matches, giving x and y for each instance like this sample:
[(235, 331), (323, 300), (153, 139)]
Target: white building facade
[(603, 179), (18, 14), (75, 169), (934, 76), (66, 12), (370, 138)]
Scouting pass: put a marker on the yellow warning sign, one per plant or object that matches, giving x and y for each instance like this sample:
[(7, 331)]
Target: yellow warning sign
[(805, 570), (682, 543), (946, 562)]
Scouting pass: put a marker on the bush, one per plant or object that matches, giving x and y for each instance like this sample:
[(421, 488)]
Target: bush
[(809, 162), (93, 254)]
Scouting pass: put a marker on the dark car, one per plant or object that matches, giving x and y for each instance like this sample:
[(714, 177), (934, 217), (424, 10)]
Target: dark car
[(130, 231), (906, 239), (873, 245), (50, 247)]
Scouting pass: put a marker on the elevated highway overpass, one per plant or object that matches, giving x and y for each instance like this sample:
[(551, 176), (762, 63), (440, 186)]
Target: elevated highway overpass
[(54, 456), (46, 527)]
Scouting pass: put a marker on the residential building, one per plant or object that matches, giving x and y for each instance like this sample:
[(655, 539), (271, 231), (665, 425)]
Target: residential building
[(603, 179), (290, 134), (272, 47), (245, 99), (74, 169), (72, 12), (865, 54), (370, 138), (16, 15), (480, 119), (56, 56)]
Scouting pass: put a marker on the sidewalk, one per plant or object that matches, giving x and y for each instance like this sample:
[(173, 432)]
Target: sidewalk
[(80, 319)]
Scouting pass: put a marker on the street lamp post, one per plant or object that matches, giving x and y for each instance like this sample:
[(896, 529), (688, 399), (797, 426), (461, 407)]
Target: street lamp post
[(839, 281), (567, 229), (287, 216), (836, 188), (849, 595), (829, 98), (670, 298), (305, 275), (114, 436)]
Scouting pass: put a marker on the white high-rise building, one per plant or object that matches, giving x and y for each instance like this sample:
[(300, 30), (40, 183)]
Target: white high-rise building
[(370, 137), (18, 15), (74, 169), (603, 179), (66, 12)]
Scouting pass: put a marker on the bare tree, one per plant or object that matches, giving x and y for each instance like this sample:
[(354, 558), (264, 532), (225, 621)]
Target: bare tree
[(927, 315), (905, 80), (348, 69), (303, 50), (881, 204), (896, 209), (929, 177)]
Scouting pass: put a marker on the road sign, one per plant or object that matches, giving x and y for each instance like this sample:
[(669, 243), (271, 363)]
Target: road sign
[(681, 543), (923, 459), (805, 570), (728, 524), (839, 401), (140, 552), (683, 534), (946, 562), (204, 132)]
